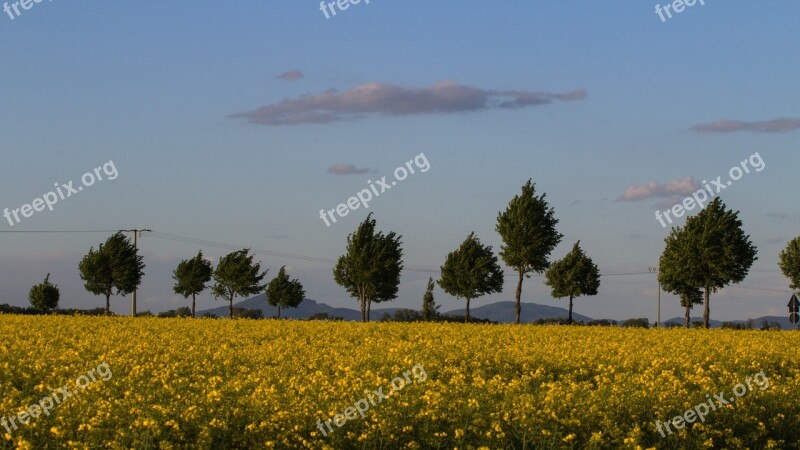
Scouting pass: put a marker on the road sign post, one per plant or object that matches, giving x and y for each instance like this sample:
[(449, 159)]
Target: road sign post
[(794, 309)]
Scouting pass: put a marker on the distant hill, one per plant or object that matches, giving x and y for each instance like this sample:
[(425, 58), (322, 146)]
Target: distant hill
[(782, 320), (499, 312), (307, 308), (503, 312)]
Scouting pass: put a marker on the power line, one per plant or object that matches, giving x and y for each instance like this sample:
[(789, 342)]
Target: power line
[(295, 256), (59, 231)]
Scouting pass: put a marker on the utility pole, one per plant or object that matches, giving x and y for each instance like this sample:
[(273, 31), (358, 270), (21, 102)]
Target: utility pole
[(658, 317), (136, 232)]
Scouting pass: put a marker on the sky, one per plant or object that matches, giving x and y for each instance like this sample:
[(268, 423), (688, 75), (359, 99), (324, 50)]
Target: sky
[(224, 125)]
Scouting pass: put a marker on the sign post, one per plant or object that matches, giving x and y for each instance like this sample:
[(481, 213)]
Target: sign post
[(794, 309)]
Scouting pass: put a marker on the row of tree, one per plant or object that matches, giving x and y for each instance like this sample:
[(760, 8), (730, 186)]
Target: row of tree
[(708, 253), (370, 268), (116, 266)]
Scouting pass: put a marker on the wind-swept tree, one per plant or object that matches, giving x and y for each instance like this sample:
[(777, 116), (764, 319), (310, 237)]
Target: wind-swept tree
[(44, 296), (673, 271), (115, 264), (789, 262), (389, 262), (471, 271), (573, 276), (721, 252), (236, 274), (285, 293), (370, 268), (528, 229), (191, 277), (430, 310)]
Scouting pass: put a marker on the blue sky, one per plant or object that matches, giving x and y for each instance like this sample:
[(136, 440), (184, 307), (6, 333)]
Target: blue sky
[(608, 98)]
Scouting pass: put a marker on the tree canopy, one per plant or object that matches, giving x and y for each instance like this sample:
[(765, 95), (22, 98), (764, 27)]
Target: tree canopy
[(574, 275), (371, 266), (44, 296), (191, 277), (237, 275), (284, 293), (115, 264), (528, 229), (471, 271)]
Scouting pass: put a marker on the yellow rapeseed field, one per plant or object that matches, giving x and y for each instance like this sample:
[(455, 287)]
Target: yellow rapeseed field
[(203, 383)]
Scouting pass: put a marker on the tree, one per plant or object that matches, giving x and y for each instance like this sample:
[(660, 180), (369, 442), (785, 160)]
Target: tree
[(191, 277), (471, 271), (370, 268), (115, 264), (282, 292), (573, 276), (789, 262), (528, 229), (236, 274), (430, 310), (389, 262), (673, 275), (44, 296), (721, 252)]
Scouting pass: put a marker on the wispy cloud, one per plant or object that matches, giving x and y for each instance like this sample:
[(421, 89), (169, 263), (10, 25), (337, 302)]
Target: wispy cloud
[(346, 169), (781, 125), (670, 190), (291, 75), (782, 216), (385, 99)]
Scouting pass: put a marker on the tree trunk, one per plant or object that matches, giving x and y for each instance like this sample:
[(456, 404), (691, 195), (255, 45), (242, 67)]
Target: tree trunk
[(193, 295), (369, 307), (279, 310), (686, 316), (363, 301), (230, 307), (569, 321), (706, 310), (466, 314), (519, 295), (108, 304)]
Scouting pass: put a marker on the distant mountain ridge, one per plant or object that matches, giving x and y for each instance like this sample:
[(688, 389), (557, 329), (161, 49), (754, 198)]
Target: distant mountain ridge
[(502, 312)]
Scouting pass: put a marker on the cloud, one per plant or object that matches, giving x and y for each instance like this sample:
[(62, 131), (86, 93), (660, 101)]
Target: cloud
[(781, 125), (346, 169), (291, 75), (671, 189), (385, 99), (781, 216)]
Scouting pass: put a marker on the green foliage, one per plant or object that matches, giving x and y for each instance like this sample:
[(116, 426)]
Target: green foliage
[(183, 311), (717, 252), (430, 310), (636, 323), (528, 229), (574, 275), (44, 296), (248, 313), (324, 316), (115, 264), (191, 277), (471, 271), (673, 275), (370, 269), (284, 293), (236, 274), (407, 315), (789, 262)]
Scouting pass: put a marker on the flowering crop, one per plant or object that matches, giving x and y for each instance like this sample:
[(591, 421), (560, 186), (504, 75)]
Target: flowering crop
[(202, 383)]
